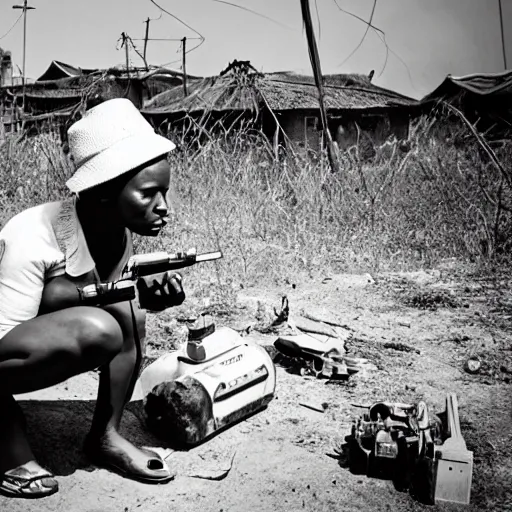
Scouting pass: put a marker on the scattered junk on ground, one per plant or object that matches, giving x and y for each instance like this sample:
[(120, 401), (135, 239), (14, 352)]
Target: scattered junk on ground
[(415, 449), (218, 378), (472, 365), (215, 380), (313, 346)]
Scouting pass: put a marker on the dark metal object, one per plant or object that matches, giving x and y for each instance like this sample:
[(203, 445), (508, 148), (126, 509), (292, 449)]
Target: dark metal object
[(101, 294), (395, 441)]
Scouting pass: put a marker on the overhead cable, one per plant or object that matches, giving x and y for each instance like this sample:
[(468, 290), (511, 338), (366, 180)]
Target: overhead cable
[(14, 24)]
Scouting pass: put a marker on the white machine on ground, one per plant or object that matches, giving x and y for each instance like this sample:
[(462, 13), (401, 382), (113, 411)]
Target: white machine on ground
[(214, 381)]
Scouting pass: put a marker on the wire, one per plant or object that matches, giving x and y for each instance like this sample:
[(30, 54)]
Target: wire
[(177, 19), (368, 25), (382, 36), (187, 52), (15, 23), (168, 39), (137, 51), (201, 38), (357, 17), (253, 12), (155, 19), (318, 19), (383, 39)]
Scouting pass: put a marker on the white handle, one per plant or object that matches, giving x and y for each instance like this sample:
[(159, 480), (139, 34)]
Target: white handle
[(452, 411)]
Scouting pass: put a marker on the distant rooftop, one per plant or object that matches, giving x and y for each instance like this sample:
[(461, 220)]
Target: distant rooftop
[(480, 84), (247, 89)]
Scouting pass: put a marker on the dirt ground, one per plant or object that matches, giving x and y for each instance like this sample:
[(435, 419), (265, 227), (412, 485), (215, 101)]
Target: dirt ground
[(283, 458)]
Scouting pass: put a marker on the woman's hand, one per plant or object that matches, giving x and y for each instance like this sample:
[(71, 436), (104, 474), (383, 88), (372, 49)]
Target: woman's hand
[(160, 291)]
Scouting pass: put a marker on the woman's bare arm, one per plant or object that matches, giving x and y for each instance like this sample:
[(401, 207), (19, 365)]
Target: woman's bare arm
[(61, 292)]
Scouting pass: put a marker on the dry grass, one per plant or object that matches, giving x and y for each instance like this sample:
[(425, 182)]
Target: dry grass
[(407, 206)]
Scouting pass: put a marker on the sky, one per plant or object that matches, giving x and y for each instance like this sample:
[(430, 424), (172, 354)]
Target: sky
[(427, 39)]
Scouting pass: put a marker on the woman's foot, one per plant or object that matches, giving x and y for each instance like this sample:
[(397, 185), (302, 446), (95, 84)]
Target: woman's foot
[(29, 480), (112, 451)]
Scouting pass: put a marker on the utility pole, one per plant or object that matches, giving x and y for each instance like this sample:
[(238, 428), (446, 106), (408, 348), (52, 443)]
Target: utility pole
[(503, 46), (25, 8), (146, 37), (125, 44), (184, 65), (317, 71)]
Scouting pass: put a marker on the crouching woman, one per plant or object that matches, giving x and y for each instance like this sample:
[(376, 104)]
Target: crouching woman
[(50, 251)]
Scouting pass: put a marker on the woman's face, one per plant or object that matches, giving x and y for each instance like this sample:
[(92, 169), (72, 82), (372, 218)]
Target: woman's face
[(142, 203)]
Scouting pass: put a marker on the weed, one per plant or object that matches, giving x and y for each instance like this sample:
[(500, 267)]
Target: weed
[(431, 299), (279, 216)]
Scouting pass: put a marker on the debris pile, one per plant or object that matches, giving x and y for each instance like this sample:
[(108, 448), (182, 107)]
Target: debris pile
[(418, 451), (312, 345)]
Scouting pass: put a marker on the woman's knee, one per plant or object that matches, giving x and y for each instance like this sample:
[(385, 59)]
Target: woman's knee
[(52, 347), (99, 333)]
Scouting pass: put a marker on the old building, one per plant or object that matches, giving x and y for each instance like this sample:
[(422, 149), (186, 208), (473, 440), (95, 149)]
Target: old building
[(63, 91), (57, 70), (485, 99), (286, 104)]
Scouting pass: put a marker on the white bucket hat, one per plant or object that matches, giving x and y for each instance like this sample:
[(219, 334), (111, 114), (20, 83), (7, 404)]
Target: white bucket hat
[(110, 140)]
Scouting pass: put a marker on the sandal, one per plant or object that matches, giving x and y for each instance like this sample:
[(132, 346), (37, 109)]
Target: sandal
[(28, 481)]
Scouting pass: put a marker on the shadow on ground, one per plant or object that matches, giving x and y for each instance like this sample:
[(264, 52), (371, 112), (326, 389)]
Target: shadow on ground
[(57, 430)]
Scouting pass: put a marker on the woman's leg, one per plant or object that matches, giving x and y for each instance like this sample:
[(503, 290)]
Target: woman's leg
[(14, 447), (56, 346), (45, 351), (117, 380)]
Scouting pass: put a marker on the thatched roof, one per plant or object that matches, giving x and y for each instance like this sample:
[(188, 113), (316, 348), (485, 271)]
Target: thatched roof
[(237, 91), (211, 93), (69, 86), (65, 94), (77, 81), (286, 91)]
